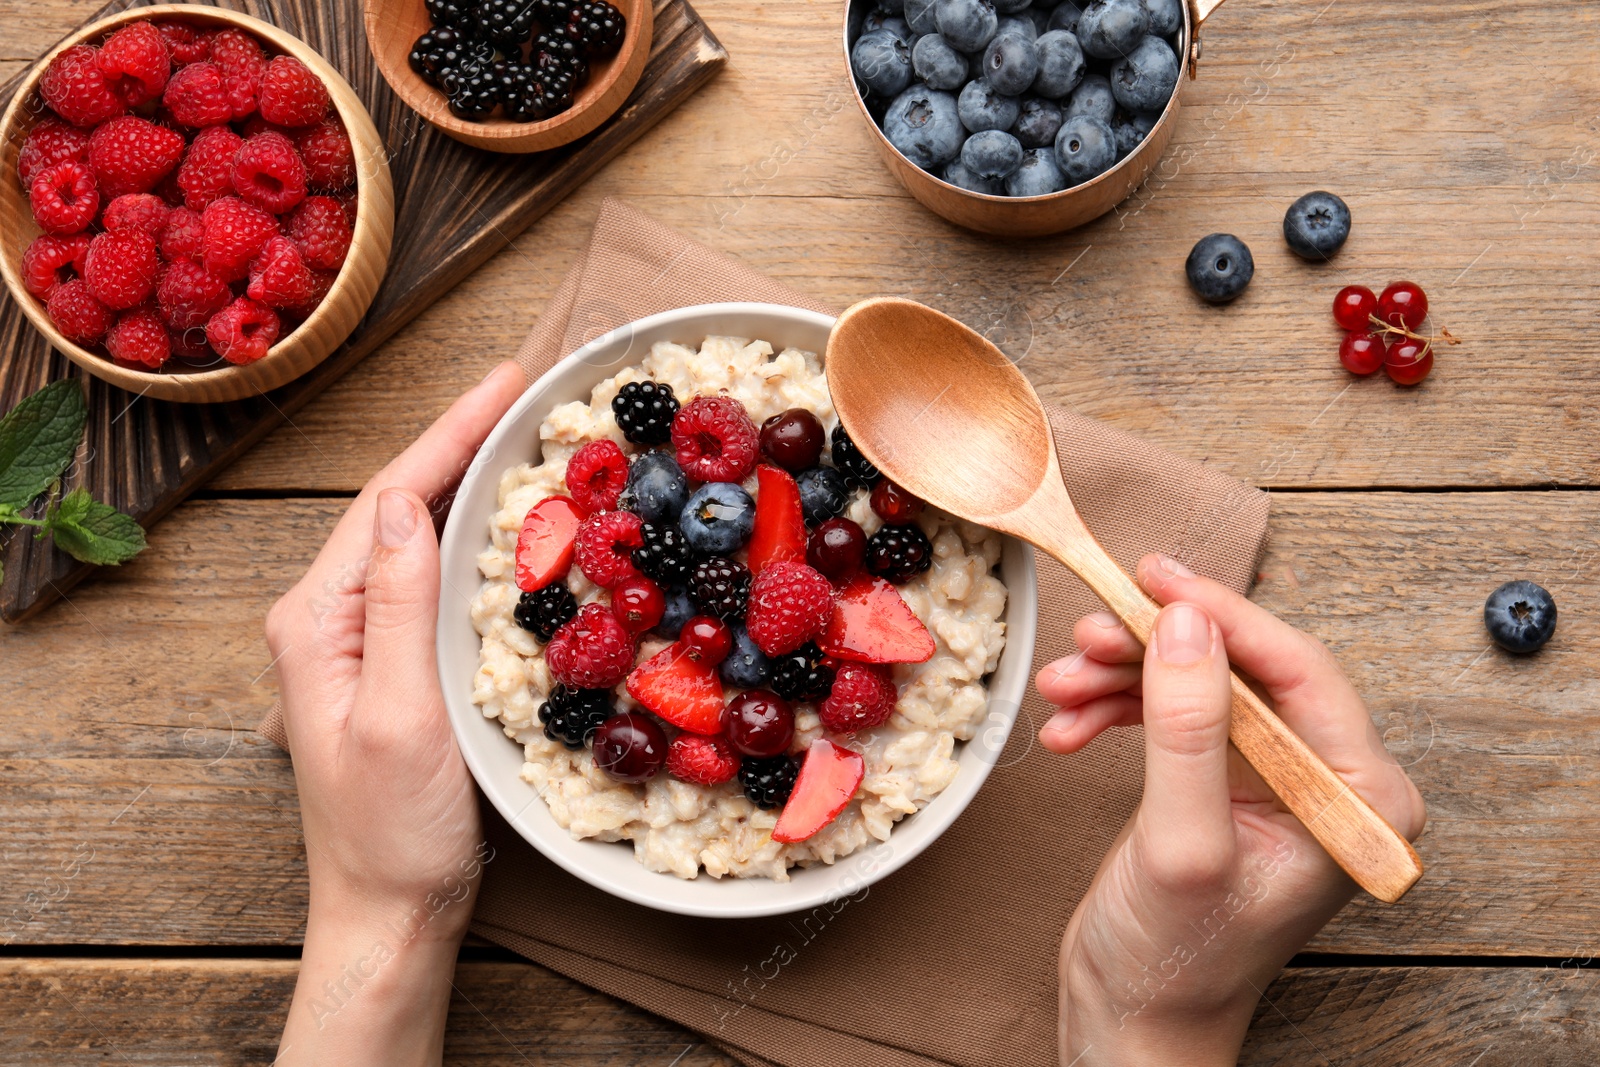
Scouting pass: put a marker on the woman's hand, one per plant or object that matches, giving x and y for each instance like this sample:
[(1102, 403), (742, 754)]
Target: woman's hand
[(1213, 885), (393, 842)]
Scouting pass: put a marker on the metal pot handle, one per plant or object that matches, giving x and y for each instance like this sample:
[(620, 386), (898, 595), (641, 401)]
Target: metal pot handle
[(1199, 11)]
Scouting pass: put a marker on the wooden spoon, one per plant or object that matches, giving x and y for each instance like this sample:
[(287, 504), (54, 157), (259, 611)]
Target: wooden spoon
[(946, 414)]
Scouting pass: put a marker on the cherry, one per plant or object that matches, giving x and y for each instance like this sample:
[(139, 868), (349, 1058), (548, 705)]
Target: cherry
[(793, 439), (894, 505), (836, 548), (1362, 353), (707, 639), (1353, 307), (1403, 304), (759, 723), (1409, 361), (638, 603), (630, 747)]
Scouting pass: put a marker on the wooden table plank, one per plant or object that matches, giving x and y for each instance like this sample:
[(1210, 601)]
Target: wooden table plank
[(67, 1012), (148, 762)]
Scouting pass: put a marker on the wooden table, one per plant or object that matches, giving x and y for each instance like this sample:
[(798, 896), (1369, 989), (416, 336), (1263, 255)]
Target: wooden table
[(152, 878)]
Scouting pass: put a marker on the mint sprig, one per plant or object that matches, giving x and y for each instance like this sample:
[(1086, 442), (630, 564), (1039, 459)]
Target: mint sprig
[(38, 439)]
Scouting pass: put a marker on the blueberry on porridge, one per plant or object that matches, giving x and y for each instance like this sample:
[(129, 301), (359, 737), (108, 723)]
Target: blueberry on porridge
[(715, 628)]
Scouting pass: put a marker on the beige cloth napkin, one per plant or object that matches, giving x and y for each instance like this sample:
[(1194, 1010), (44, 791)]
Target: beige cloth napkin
[(951, 960)]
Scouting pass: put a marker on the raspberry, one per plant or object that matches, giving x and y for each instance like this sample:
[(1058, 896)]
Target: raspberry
[(291, 95), (322, 233), (321, 282), (596, 476), (206, 173), (235, 233), (135, 63), (790, 603), (121, 268), (192, 344), (243, 331), (715, 440), (278, 277), (77, 314), (605, 544), (592, 651), (239, 57), (188, 295), (183, 236), (63, 197), (702, 760), (185, 44), (329, 159), (52, 261), (267, 172), (196, 96), (861, 698), (50, 141), (146, 212), (131, 154), (139, 339), (76, 87)]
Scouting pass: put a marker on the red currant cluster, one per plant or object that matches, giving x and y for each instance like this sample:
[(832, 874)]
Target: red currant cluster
[(1381, 331)]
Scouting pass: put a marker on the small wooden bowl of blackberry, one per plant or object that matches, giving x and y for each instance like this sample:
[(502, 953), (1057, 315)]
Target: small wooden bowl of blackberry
[(511, 76)]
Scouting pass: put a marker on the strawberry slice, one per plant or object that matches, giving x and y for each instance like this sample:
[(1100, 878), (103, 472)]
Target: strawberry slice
[(682, 689), (829, 777), (871, 623), (780, 529), (544, 547)]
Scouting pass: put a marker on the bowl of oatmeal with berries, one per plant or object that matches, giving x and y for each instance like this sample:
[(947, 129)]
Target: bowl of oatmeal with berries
[(696, 648)]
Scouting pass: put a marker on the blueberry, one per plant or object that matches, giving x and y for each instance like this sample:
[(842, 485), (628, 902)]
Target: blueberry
[(882, 62), (1037, 123), (823, 494), (1038, 174), (1109, 29), (1009, 64), (1093, 98), (963, 177), (967, 24), (1040, 17), (1085, 147), (920, 16), (657, 488), (1520, 616), (718, 518), (746, 667), (992, 154), (1316, 226), (1017, 26), (981, 108), (877, 20), (937, 64), (1130, 131), (1060, 62), (1166, 16), (924, 126), (1011, 7), (1219, 267), (1065, 17), (1143, 80), (679, 610), (891, 7)]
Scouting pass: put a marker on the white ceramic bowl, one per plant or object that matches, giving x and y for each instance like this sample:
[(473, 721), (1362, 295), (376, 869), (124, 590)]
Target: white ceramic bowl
[(496, 760)]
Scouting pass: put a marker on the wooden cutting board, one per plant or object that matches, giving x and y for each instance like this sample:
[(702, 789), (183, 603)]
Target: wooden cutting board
[(455, 206)]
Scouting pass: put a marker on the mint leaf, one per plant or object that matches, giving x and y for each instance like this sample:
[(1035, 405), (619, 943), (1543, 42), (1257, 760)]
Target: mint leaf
[(93, 532), (38, 439)]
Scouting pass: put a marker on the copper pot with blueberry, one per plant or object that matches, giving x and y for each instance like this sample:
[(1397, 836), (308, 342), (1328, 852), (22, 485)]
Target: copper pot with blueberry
[(1022, 118)]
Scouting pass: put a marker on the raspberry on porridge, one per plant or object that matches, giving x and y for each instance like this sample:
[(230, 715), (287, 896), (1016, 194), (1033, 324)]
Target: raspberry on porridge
[(769, 685)]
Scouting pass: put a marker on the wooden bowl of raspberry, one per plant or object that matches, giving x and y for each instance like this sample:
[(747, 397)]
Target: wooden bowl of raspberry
[(194, 205), (511, 76)]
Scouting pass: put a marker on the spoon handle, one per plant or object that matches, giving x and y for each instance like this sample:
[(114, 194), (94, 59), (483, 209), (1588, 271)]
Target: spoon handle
[(1359, 839)]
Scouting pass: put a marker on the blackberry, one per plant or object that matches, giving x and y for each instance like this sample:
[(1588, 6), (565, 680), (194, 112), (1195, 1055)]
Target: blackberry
[(597, 27), (548, 47), (510, 79), (803, 675), (848, 458), (506, 22), (544, 611), (571, 716), (644, 412), (528, 105), (450, 12), (665, 555), (768, 782), (720, 587), (899, 553), (553, 13), (441, 49), (472, 92)]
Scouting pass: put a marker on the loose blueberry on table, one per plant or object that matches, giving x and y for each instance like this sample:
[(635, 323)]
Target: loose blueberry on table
[(1521, 616), (1219, 267)]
